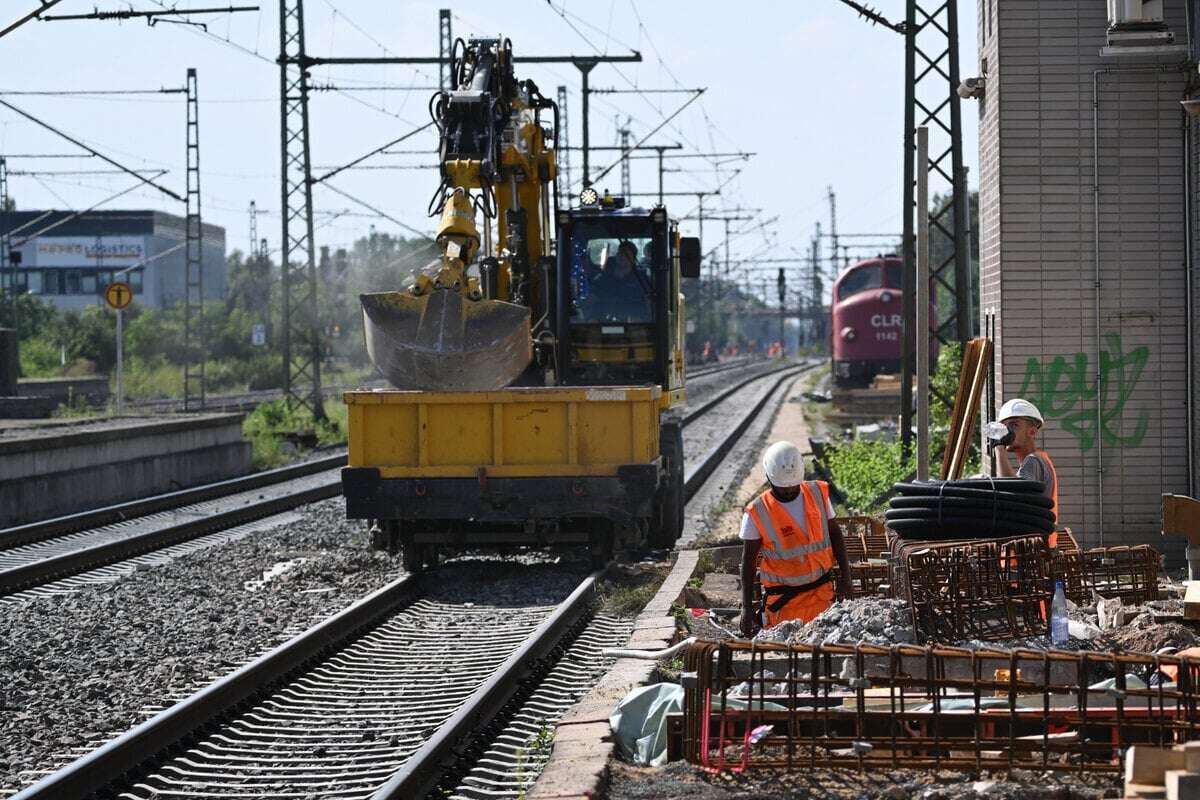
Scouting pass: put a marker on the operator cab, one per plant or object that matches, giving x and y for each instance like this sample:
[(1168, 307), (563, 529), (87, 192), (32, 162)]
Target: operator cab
[(619, 305)]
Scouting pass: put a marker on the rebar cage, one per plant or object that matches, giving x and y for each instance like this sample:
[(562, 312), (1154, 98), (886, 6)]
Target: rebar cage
[(908, 706), (995, 589)]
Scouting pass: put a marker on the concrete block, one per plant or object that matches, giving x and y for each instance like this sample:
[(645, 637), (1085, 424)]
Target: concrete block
[(1191, 755), (1182, 785), (1147, 765)]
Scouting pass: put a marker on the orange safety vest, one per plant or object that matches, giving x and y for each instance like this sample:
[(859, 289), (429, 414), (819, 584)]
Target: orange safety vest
[(1052, 542), (795, 553)]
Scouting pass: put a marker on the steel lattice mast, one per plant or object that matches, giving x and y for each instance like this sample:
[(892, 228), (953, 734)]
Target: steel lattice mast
[(931, 100), (195, 351), (301, 334)]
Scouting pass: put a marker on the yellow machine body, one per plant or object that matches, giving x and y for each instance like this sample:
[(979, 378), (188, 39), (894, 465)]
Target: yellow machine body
[(514, 433)]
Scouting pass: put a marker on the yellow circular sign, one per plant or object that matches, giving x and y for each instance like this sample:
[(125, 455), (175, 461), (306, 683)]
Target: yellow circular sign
[(118, 295)]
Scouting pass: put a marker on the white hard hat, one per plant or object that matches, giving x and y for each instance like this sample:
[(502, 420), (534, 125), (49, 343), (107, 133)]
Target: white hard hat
[(1020, 408), (783, 464)]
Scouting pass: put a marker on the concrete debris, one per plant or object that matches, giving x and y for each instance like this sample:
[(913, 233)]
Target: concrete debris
[(867, 620), (884, 622)]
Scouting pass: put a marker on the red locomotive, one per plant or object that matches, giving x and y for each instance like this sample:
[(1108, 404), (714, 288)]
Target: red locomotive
[(868, 329)]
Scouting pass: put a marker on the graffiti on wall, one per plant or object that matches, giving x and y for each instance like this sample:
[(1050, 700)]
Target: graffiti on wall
[(1065, 391)]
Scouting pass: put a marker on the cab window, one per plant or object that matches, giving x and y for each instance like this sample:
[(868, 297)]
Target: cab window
[(860, 280), (611, 276)]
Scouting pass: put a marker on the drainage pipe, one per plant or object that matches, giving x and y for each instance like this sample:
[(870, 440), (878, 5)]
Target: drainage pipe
[(1096, 290)]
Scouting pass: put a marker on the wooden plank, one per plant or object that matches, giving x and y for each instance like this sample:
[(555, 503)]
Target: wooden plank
[(1191, 601)]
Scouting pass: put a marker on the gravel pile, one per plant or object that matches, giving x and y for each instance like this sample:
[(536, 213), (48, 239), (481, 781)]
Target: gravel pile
[(866, 620), (681, 781), (75, 669)]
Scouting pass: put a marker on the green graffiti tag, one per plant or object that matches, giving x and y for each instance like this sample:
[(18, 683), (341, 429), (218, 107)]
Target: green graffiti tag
[(1066, 391)]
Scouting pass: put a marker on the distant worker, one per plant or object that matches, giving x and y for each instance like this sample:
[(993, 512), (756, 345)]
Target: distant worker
[(620, 294), (1024, 423), (791, 525)]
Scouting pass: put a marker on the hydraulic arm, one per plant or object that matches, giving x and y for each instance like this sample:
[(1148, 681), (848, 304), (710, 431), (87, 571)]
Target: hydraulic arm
[(470, 323)]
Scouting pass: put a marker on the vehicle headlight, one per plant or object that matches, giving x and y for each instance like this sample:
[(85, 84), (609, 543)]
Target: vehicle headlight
[(849, 334)]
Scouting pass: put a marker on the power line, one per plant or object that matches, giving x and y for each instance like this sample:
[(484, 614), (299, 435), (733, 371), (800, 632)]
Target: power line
[(89, 92), (96, 153), (376, 151), (31, 15), (151, 17)]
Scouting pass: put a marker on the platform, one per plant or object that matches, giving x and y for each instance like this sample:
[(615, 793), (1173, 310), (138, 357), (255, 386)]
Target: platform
[(51, 467)]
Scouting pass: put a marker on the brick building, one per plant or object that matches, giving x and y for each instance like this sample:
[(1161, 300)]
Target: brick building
[(1084, 215)]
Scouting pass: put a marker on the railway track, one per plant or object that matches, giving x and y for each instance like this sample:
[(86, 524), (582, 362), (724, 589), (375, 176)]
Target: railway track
[(60, 555), (378, 700)]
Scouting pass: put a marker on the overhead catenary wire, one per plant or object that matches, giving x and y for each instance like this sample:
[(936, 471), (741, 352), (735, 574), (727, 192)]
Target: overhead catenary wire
[(376, 151), (44, 5), (91, 150), (74, 215), (380, 213)]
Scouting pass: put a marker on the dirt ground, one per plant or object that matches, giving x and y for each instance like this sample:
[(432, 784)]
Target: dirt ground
[(680, 781)]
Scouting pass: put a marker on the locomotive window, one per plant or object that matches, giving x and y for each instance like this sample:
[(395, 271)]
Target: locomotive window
[(893, 277), (860, 280)]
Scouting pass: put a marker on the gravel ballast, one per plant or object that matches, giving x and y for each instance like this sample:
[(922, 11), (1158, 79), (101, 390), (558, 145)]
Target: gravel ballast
[(76, 669)]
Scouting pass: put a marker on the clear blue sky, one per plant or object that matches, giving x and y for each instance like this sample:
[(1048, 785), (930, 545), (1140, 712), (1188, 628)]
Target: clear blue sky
[(815, 91)]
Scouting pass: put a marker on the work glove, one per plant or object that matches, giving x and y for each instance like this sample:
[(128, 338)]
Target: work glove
[(998, 435)]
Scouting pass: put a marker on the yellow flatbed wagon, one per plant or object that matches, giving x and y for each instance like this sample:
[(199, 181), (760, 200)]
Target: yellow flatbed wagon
[(535, 466)]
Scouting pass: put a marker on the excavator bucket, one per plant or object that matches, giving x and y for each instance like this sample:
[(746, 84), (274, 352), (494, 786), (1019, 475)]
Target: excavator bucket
[(442, 341)]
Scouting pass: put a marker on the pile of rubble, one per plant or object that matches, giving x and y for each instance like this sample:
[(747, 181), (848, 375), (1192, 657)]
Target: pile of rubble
[(867, 620), (1106, 625)]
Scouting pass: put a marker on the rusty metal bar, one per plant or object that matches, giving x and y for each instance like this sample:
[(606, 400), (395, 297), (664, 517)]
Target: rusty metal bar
[(866, 707)]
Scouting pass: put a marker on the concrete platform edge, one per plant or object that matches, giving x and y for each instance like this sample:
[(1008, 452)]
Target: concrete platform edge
[(578, 764)]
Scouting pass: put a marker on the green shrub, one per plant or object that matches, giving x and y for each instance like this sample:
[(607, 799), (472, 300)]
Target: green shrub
[(865, 470), (268, 426)]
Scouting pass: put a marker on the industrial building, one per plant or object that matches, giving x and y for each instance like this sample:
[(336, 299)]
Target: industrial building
[(68, 258)]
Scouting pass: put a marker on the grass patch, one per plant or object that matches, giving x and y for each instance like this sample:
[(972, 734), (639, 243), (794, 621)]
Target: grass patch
[(278, 432), (629, 601), (630, 587)]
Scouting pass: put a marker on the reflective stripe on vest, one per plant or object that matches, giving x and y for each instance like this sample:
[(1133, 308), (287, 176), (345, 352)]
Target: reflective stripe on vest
[(796, 565)]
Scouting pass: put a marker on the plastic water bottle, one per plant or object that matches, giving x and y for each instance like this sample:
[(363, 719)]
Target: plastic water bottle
[(1058, 615), (995, 431)]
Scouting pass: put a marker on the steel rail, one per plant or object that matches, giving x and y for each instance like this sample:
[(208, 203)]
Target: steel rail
[(695, 477), (124, 756), (85, 558), (83, 777), (424, 768), (41, 530), (75, 561), (712, 403)]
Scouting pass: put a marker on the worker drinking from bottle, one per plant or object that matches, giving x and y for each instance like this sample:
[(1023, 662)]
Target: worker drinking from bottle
[(791, 526), (1024, 423)]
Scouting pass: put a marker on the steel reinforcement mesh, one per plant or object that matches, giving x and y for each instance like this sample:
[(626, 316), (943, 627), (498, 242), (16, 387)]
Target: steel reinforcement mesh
[(994, 589), (867, 541), (985, 590), (758, 705), (1130, 573)]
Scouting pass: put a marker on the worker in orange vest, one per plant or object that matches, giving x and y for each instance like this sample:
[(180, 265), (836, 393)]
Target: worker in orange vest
[(791, 526), (1024, 423)]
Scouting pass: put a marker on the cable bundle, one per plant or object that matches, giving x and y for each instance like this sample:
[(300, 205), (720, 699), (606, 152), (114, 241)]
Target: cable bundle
[(971, 508)]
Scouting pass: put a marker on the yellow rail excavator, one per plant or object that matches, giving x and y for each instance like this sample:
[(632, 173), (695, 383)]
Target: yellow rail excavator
[(536, 366)]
